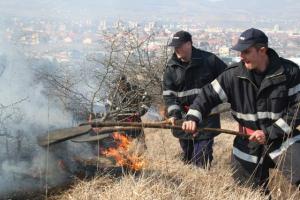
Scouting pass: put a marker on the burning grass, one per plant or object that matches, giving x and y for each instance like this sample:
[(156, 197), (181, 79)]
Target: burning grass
[(166, 177), (122, 155)]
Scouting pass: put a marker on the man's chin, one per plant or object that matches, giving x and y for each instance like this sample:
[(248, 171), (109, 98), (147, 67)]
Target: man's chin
[(249, 66), (184, 60)]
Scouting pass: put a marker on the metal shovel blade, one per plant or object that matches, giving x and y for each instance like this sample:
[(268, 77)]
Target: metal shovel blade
[(62, 135)]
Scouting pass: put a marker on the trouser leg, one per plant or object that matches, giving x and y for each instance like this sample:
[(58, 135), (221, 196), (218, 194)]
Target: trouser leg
[(250, 174), (187, 149), (203, 153), (289, 163)]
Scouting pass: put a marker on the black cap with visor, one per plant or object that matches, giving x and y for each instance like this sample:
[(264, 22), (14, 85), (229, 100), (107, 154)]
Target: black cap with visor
[(249, 38)]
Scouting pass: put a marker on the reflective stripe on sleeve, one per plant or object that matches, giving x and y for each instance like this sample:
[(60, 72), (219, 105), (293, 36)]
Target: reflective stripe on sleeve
[(218, 89), (173, 107), (182, 93), (294, 90), (256, 116), (284, 146), (283, 125), (195, 113)]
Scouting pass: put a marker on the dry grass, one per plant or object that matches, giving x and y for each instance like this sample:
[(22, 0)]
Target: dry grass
[(165, 177)]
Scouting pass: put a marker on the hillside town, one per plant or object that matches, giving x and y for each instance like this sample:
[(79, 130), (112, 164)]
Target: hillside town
[(70, 42)]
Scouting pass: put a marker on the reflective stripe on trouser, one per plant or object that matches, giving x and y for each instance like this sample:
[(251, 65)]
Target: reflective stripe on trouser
[(197, 152)]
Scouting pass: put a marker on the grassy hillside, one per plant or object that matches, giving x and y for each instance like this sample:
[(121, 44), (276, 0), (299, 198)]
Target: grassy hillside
[(166, 177)]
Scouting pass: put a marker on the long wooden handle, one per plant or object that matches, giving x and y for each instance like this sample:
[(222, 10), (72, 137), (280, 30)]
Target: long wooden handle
[(162, 125)]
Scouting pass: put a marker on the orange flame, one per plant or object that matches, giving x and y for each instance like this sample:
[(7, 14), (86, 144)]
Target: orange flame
[(121, 154)]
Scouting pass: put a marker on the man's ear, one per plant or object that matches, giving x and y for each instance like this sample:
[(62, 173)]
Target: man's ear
[(263, 50)]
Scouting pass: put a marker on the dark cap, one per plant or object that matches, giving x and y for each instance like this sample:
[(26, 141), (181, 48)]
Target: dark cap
[(180, 38), (250, 37)]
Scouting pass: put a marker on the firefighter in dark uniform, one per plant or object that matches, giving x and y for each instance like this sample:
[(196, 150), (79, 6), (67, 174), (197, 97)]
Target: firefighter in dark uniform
[(187, 71), (128, 103), (263, 90)]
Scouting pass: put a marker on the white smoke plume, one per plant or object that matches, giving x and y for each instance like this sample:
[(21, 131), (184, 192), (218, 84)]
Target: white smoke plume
[(25, 113)]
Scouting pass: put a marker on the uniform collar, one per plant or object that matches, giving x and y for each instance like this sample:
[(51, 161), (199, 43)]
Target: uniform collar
[(274, 74), (274, 67)]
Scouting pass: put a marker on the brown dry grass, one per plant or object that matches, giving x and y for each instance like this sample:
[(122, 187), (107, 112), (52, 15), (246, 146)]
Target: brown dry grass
[(166, 177)]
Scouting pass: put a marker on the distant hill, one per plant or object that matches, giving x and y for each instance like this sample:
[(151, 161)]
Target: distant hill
[(208, 10)]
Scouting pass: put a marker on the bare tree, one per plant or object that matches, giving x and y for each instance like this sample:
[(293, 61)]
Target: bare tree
[(123, 51)]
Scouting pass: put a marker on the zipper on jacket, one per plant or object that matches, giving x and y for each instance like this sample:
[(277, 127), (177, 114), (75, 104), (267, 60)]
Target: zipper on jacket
[(268, 78), (274, 75), (249, 81)]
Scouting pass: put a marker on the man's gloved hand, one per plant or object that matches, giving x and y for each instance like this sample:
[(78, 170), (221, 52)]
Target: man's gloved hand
[(190, 127)]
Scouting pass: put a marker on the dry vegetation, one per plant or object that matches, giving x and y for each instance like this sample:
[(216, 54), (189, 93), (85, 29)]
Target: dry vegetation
[(166, 177)]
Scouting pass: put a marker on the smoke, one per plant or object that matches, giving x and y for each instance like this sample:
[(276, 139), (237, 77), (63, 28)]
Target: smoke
[(26, 111)]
